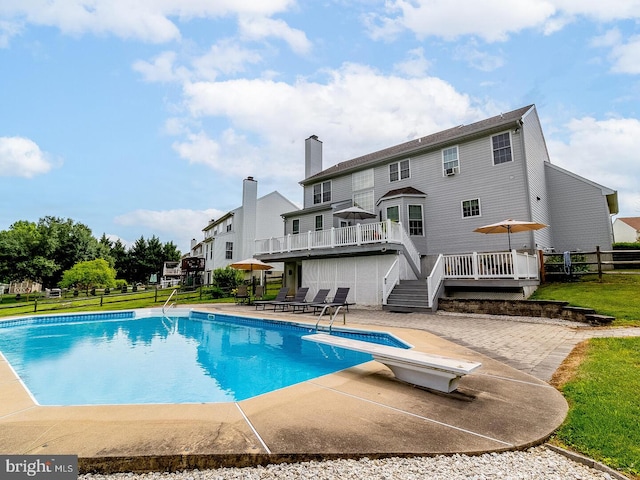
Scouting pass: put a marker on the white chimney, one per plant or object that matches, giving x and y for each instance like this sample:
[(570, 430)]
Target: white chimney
[(312, 156), (249, 216)]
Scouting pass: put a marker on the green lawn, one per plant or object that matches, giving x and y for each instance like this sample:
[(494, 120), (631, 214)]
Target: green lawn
[(604, 416), (618, 295)]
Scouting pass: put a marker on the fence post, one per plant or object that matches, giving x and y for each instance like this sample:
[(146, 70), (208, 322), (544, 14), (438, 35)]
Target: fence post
[(598, 256), (101, 299), (541, 266), (155, 298), (35, 305)]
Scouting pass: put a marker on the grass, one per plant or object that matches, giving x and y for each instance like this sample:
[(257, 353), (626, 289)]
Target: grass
[(617, 296), (604, 415)]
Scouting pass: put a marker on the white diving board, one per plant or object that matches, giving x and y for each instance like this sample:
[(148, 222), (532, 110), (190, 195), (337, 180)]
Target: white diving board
[(419, 368)]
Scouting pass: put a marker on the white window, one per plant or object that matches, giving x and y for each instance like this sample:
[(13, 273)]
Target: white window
[(295, 226), (501, 145), (415, 220), (322, 192), (393, 214), (399, 171), (319, 222), (471, 208), (450, 161), (228, 254), (362, 188)]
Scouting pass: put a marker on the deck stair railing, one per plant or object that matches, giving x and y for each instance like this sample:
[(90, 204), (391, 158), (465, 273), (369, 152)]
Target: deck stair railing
[(390, 280)]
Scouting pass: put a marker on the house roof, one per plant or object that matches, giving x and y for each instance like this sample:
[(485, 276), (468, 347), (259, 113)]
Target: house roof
[(633, 222), (423, 144), (402, 191)]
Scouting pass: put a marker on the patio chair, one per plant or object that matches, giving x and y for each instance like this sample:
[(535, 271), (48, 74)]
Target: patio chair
[(339, 300), (259, 293), (242, 294), (280, 297), (320, 298), (301, 294)]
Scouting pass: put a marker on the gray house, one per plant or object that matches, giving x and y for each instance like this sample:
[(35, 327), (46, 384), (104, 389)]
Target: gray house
[(426, 197)]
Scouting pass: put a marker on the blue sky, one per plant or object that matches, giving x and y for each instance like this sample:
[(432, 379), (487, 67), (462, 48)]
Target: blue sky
[(141, 117)]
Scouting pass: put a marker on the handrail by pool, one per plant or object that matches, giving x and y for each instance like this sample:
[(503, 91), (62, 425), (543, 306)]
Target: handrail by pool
[(175, 290)]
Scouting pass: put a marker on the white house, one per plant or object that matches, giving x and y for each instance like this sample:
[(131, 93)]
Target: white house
[(231, 237), (626, 229)]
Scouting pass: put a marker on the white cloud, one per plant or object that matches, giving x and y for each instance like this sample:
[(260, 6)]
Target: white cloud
[(626, 56), (355, 111), (257, 28), (161, 69), (181, 225), (225, 57), (604, 151), (478, 59), (415, 65), (492, 20), (22, 157), (150, 21)]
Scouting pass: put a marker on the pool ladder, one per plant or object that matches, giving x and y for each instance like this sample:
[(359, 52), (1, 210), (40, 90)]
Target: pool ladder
[(333, 317), (175, 290)]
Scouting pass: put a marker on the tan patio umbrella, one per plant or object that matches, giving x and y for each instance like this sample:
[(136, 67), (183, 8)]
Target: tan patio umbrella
[(510, 226), (251, 264)]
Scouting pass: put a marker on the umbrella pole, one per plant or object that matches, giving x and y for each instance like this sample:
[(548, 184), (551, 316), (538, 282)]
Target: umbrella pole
[(509, 235)]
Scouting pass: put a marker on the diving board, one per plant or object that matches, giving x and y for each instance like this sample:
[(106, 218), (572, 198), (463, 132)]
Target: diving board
[(423, 369)]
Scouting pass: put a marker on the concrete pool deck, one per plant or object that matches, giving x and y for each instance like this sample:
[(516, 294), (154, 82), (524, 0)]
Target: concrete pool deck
[(361, 411)]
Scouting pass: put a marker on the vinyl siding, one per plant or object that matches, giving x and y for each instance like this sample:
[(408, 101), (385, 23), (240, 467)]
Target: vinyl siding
[(580, 214)]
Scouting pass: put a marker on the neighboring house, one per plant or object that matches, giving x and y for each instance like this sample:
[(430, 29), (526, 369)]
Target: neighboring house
[(231, 237), (438, 188), (626, 229)]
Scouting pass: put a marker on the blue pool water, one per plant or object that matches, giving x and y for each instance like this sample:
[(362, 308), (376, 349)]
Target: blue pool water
[(192, 358)]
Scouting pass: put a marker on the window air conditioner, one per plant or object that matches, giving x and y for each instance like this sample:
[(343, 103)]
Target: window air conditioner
[(450, 171)]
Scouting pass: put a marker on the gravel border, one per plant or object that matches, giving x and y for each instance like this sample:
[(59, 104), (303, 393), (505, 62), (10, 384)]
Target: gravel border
[(541, 462)]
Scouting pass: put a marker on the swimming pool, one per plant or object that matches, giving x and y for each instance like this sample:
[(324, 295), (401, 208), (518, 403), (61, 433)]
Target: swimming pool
[(142, 357)]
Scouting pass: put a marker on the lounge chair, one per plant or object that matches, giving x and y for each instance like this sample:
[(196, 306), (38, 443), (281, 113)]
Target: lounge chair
[(280, 297), (321, 297), (339, 300), (259, 293), (301, 294), (242, 294)]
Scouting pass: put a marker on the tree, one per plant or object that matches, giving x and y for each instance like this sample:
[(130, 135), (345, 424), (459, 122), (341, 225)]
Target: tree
[(227, 278), (89, 274), (120, 259), (24, 254)]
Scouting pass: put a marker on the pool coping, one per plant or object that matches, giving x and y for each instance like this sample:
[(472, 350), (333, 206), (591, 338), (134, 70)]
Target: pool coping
[(361, 411)]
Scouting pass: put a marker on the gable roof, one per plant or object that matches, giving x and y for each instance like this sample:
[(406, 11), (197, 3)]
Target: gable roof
[(633, 222), (402, 191), (423, 144)]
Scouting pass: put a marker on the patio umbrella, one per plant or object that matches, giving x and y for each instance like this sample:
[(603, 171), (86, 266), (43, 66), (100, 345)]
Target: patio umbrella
[(354, 213), (251, 264), (510, 226)]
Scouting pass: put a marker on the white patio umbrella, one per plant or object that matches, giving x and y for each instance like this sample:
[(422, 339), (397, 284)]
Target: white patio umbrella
[(354, 213), (510, 226)]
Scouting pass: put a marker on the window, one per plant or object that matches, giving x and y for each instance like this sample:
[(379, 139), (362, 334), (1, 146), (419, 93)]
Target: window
[(229, 224), (399, 171), (471, 208), (501, 148), (295, 226), (415, 220), (319, 222), (228, 254), (393, 214), (450, 161), (362, 187), (322, 192)]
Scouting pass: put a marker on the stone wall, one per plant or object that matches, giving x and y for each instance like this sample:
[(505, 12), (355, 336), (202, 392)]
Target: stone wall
[(524, 308)]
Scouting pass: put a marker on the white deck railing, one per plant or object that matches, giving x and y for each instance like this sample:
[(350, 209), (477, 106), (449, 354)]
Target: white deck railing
[(390, 280), (359, 234)]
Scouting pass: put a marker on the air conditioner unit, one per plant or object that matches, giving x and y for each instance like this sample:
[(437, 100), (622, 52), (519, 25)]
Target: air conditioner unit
[(450, 171)]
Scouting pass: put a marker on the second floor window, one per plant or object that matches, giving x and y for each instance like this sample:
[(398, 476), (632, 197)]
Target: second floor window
[(319, 222), (399, 171), (393, 214), (501, 145), (415, 220), (295, 226), (450, 161), (228, 254), (322, 192), (471, 208)]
